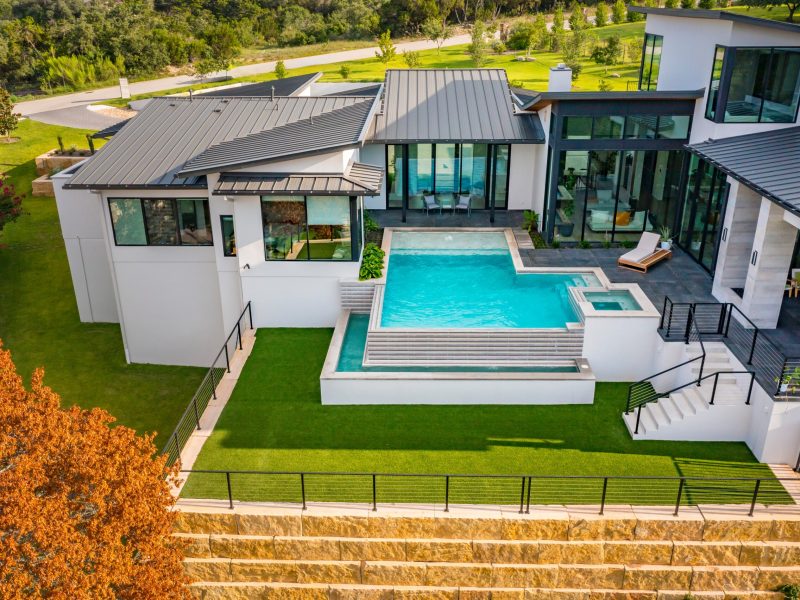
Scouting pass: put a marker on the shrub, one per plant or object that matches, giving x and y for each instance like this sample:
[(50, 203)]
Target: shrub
[(344, 71), (520, 35), (10, 202), (791, 591), (499, 47), (707, 4), (530, 220), (619, 12), (687, 4), (584, 244), (280, 69), (601, 14), (556, 243), (671, 3), (627, 244), (370, 224), (371, 263), (412, 59)]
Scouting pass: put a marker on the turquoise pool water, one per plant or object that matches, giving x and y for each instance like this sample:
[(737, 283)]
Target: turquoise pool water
[(355, 338), (612, 300), (467, 280)]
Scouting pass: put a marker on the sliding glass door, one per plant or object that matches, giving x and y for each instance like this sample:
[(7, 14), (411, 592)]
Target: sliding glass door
[(446, 171), (703, 210)]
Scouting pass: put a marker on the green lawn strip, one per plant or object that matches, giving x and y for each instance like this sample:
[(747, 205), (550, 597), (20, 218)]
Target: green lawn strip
[(531, 74), (39, 322), (275, 422)]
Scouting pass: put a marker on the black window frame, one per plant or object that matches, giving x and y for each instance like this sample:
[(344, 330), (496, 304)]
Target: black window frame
[(222, 220), (148, 243), (726, 73), (355, 236), (650, 41)]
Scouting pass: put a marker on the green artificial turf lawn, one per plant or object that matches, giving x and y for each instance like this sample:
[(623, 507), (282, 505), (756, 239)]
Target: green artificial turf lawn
[(275, 422), (39, 323)]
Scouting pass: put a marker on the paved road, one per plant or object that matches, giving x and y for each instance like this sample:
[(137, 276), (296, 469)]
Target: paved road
[(70, 109)]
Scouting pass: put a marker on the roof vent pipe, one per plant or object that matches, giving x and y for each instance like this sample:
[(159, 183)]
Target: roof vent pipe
[(272, 93), (190, 94), (560, 78)]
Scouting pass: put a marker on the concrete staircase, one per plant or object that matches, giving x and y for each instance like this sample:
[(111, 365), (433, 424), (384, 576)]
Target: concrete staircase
[(564, 553), (687, 414)]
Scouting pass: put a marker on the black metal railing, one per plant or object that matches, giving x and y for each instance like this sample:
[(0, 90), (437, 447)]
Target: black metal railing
[(776, 372), (522, 491), (643, 392), (207, 390)]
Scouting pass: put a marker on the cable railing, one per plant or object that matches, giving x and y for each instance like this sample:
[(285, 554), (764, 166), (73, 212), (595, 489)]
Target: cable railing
[(446, 490), (776, 372), (207, 390)]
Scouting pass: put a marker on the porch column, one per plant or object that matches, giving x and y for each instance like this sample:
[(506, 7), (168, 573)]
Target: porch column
[(770, 259), (736, 243)]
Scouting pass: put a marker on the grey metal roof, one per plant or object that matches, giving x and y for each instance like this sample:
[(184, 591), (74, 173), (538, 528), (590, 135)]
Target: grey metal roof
[(540, 99), (150, 150), (720, 15), (371, 89), (765, 162), (111, 129), (335, 129), (359, 180), (455, 105), (288, 86)]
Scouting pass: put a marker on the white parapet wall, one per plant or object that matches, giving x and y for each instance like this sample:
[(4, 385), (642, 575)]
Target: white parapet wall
[(449, 387)]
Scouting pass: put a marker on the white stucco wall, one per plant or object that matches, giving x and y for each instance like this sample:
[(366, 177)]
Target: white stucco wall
[(168, 296), (687, 59), (81, 217), (621, 348), (521, 174)]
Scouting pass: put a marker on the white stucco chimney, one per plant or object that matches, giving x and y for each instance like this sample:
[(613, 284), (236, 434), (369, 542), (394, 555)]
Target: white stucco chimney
[(560, 78)]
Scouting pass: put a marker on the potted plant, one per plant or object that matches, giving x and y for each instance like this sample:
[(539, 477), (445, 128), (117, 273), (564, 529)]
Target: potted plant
[(666, 238), (789, 383), (530, 220)]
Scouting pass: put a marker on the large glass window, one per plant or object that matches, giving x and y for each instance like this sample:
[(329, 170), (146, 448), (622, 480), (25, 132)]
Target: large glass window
[(309, 228), (473, 173), (651, 62), (446, 171), (703, 210), (394, 176), (329, 232), (760, 85), (608, 128), (577, 128), (228, 235), (673, 128), (713, 88), (127, 219), (643, 127), (501, 158), (194, 222), (160, 221)]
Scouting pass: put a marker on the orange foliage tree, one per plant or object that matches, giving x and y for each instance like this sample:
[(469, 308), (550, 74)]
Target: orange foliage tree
[(84, 507)]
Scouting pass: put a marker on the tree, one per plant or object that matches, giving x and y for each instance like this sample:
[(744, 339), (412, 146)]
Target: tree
[(386, 49), (477, 49), (8, 118), (412, 59), (577, 17), (601, 14), (280, 70), (206, 66), (604, 85), (84, 507), (688, 4), (671, 3), (633, 16), (558, 18), (791, 5), (344, 71), (437, 31), (10, 207), (573, 50), (610, 54), (223, 44), (619, 12)]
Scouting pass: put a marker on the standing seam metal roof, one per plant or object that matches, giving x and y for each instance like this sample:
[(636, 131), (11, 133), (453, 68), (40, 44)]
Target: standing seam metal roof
[(341, 127), (358, 180), (766, 162), (429, 105), (150, 150)]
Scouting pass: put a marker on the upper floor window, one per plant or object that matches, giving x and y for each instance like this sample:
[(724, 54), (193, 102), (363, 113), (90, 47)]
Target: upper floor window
[(643, 127), (228, 235), (755, 85), (651, 62), (160, 221)]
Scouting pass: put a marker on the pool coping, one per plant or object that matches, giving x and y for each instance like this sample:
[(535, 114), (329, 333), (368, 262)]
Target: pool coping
[(329, 368)]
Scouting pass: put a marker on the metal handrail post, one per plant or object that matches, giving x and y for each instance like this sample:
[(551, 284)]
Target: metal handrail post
[(522, 498), (303, 489), (374, 494), (447, 493), (755, 497), (230, 494), (680, 493), (638, 418), (603, 497), (528, 501), (750, 388), (213, 383), (752, 347), (239, 333), (714, 389)]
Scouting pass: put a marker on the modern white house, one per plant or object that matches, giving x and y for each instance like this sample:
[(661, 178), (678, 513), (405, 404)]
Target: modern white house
[(202, 204)]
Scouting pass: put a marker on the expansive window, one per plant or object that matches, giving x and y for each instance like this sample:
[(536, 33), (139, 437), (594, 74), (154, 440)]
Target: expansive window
[(643, 127), (755, 85), (446, 171), (310, 228), (228, 235), (615, 195), (651, 62), (160, 221), (713, 88), (703, 210)]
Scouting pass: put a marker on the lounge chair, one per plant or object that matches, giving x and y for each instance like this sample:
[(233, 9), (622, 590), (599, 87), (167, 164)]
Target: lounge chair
[(464, 203), (430, 203), (645, 255), (793, 284)]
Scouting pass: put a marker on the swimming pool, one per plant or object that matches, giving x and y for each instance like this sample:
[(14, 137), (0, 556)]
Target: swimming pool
[(467, 280)]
